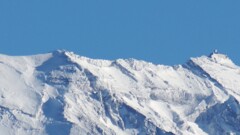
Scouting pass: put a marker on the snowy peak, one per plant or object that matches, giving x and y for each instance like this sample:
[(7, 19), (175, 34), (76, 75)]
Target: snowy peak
[(221, 59), (64, 93)]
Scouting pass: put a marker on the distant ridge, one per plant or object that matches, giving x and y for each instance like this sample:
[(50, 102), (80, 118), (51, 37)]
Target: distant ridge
[(62, 93)]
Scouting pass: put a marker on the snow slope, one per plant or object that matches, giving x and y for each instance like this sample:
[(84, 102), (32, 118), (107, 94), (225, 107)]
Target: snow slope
[(61, 93)]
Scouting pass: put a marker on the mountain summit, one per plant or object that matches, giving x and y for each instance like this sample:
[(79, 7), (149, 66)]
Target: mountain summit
[(61, 93)]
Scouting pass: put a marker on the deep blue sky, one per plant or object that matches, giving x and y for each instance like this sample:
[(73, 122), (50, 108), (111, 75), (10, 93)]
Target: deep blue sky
[(159, 31)]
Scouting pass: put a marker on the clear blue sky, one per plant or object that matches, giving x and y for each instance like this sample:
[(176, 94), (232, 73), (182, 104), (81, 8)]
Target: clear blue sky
[(159, 31)]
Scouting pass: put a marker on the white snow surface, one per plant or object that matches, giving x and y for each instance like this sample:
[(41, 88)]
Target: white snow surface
[(61, 93)]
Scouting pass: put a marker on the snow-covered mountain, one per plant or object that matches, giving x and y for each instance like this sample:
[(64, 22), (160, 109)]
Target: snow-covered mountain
[(61, 93)]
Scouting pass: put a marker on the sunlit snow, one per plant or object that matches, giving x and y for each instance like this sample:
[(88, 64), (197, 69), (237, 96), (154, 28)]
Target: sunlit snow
[(61, 93)]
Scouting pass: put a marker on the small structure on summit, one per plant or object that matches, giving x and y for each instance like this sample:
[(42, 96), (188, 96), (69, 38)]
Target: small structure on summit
[(215, 51)]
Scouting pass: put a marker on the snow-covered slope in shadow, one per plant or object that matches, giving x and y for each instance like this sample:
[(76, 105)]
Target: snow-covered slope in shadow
[(63, 93)]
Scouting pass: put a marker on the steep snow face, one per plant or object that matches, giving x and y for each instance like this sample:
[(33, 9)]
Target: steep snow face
[(66, 94)]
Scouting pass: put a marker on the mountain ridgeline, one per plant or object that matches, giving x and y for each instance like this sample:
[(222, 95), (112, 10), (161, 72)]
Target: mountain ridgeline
[(61, 93)]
